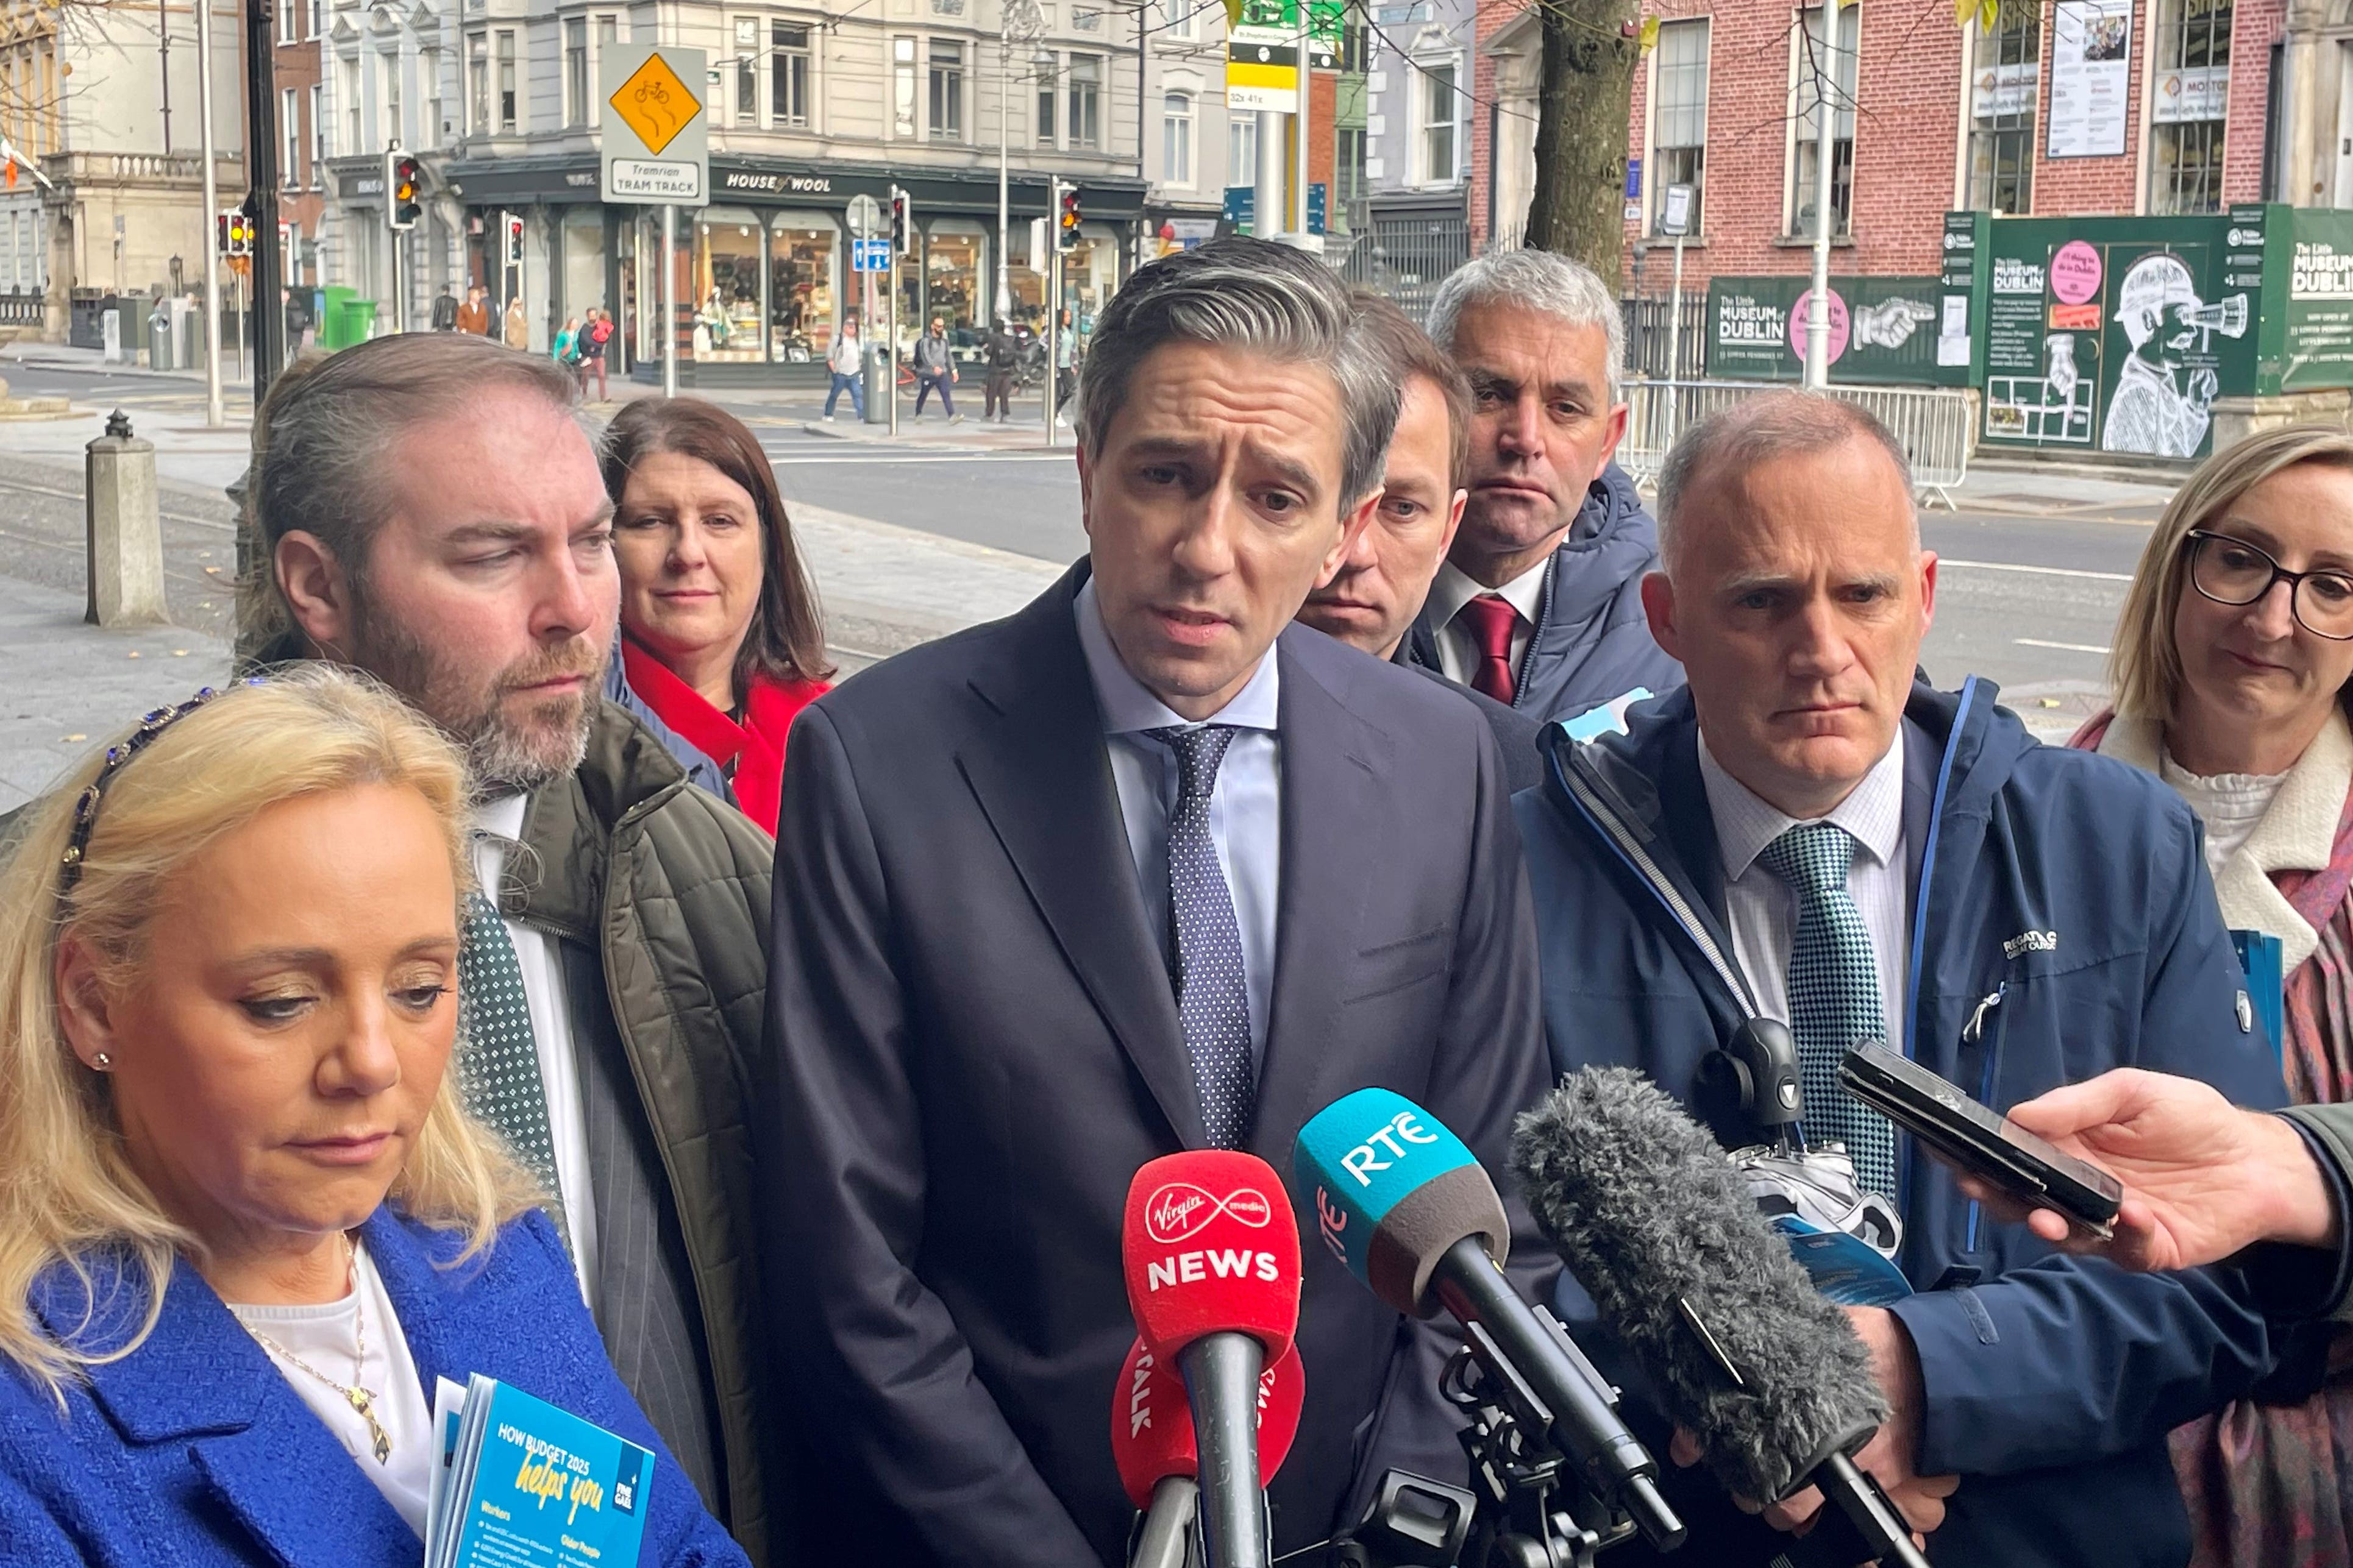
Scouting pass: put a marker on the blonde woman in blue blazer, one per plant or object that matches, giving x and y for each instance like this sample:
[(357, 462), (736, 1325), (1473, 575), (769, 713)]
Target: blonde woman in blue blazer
[(245, 1223)]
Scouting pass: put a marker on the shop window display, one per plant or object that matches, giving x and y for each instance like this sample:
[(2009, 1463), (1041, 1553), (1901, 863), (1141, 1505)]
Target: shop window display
[(729, 286), (801, 288)]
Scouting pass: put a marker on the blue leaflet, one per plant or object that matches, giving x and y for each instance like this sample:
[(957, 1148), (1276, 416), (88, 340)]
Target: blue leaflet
[(527, 1483)]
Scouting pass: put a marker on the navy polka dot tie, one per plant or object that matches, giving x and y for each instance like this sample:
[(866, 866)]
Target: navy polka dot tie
[(1205, 956), (498, 1058), (1834, 993)]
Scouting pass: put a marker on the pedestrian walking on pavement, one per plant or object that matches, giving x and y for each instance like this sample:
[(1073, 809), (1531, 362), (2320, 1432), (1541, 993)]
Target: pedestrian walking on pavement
[(848, 362), (518, 326), (1066, 374), (566, 351), (474, 315), (445, 311), (936, 369), (1003, 356), (594, 338)]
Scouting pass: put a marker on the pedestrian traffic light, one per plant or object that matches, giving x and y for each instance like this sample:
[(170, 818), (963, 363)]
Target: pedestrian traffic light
[(514, 241), (1066, 238), (404, 189), (234, 234), (901, 216)]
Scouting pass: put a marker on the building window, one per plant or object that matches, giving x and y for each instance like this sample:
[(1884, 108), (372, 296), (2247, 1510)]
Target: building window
[(789, 75), (1176, 19), (1348, 163), (318, 135), (428, 72), (1679, 115), (316, 20), (1242, 149), (289, 19), (947, 7), (389, 72), (1356, 47), (1042, 66), (1085, 19), (748, 70), (608, 36), (510, 93), (576, 70), (354, 142), (1084, 115), (1438, 110), (2185, 148), (290, 126), (478, 84), (1176, 139), (2004, 76), (1814, 63), (903, 88), (947, 90)]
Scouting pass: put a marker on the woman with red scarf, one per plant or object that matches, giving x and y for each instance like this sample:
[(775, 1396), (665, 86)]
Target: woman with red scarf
[(719, 632)]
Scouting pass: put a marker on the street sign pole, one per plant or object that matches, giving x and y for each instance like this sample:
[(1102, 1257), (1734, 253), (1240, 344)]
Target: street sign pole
[(669, 301), (1053, 305), (1818, 317), (657, 153), (891, 380), (216, 416)]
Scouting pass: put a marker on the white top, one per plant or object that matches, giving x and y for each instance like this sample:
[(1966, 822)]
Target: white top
[(1245, 805), (498, 825), (1458, 651), (1763, 909), (328, 1338), (2230, 805)]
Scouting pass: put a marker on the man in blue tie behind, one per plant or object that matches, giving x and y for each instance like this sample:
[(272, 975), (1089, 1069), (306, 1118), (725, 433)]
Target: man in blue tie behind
[(1805, 834), (1143, 869)]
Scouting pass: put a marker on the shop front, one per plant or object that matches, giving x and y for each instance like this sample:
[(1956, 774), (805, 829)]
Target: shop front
[(761, 277)]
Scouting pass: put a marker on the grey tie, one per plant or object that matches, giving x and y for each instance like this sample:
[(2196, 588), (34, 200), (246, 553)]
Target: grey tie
[(1205, 956), (497, 1059), (1833, 993)]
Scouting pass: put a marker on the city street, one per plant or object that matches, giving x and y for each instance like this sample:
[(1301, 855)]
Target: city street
[(910, 539)]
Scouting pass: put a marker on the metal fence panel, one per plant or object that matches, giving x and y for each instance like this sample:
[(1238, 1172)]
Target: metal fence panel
[(1930, 424), (1651, 337), (1405, 257)]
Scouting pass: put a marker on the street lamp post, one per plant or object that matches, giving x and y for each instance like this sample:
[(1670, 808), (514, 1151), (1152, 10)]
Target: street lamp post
[(1021, 25), (1818, 317), (215, 418)]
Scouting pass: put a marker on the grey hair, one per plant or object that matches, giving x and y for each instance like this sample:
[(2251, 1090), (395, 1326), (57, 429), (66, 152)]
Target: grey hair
[(1540, 280), (322, 438), (1778, 424), (1249, 294)]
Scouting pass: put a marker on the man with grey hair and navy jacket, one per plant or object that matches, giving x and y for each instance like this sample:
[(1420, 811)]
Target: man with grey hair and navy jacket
[(1538, 604), (1096, 884), (1807, 834)]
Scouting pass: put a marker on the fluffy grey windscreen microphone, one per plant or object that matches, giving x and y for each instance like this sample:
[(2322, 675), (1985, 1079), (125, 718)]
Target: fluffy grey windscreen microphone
[(1653, 1221)]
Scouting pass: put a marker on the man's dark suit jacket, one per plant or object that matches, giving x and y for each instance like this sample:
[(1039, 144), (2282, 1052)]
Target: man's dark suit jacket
[(1518, 735), (977, 1046)]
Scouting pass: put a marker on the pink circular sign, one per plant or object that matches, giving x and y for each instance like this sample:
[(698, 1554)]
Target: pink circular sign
[(2074, 272), (1801, 317)]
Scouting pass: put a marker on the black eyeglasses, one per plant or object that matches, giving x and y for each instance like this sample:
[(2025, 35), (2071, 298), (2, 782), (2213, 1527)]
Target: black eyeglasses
[(2232, 572)]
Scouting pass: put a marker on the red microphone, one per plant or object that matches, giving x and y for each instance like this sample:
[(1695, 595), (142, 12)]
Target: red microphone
[(1211, 1252), (1152, 1442)]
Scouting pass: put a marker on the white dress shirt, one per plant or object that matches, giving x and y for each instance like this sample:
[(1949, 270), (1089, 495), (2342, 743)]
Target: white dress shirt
[(1458, 651), (497, 827), (1245, 806), (1762, 910), (328, 1339)]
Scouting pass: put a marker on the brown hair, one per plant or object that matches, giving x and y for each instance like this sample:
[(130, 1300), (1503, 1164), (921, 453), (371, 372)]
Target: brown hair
[(2145, 664), (785, 640), (1409, 354)]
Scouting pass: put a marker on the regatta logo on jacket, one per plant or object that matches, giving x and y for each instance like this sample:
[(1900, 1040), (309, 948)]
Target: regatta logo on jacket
[(2030, 941)]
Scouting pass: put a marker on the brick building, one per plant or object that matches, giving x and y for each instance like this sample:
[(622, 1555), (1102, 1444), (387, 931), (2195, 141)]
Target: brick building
[(2064, 108)]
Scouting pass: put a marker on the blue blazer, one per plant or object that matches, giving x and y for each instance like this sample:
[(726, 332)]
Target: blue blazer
[(195, 1450)]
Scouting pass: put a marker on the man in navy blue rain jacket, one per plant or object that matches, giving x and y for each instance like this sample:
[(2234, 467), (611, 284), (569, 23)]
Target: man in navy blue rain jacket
[(1539, 602), (2035, 916)]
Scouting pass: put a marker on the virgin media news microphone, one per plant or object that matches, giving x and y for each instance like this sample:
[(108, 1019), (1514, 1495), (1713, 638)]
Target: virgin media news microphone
[(1414, 1216), (1152, 1442), (1658, 1225), (1212, 1262)]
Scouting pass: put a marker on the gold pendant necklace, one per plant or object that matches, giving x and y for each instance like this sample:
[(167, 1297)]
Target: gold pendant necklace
[(361, 1398)]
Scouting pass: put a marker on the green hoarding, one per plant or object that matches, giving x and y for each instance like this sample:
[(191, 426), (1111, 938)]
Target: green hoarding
[(1883, 330), (2309, 265)]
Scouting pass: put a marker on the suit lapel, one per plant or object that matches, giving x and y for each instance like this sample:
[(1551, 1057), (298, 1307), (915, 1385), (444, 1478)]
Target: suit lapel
[(1043, 778), (1331, 770)]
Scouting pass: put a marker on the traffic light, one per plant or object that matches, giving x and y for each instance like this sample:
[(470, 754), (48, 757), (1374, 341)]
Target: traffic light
[(404, 189), (1067, 236), (234, 234), (514, 241), (900, 216)]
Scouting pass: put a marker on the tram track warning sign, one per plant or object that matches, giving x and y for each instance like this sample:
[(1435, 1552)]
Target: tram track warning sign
[(657, 136)]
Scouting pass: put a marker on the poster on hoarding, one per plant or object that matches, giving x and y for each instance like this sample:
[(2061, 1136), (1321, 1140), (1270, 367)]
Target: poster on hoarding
[(2318, 343), (1883, 330), (2091, 70)]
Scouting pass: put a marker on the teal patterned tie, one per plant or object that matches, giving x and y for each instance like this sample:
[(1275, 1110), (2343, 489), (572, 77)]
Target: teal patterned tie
[(497, 1059), (1834, 993)]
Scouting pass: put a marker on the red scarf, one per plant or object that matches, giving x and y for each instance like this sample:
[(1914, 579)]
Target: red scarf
[(755, 747)]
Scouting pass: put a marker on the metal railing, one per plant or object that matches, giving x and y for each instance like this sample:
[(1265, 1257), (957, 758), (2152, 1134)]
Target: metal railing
[(1404, 257), (1650, 336), (1931, 423)]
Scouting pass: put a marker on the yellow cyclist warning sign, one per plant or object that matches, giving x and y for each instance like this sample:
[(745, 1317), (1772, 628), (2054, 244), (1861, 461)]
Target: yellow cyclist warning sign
[(655, 103)]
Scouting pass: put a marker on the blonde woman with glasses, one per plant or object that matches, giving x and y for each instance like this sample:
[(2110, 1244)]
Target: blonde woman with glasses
[(2232, 657), (245, 1223)]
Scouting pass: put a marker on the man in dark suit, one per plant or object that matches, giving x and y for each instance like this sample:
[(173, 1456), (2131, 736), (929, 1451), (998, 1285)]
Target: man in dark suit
[(1371, 601), (985, 1015)]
